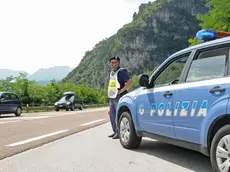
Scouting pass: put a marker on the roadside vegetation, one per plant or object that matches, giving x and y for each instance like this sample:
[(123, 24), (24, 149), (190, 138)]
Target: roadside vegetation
[(35, 94), (218, 18)]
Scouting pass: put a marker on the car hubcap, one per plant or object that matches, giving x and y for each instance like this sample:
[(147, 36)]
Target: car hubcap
[(223, 154), (124, 130), (19, 111)]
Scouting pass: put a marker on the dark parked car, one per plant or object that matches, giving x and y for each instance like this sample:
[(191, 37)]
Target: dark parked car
[(68, 101), (10, 103)]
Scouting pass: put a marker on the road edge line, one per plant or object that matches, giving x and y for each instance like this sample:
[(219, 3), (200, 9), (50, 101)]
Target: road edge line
[(36, 138)]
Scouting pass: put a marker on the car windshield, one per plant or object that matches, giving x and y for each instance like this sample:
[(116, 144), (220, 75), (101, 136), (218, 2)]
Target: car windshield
[(66, 98)]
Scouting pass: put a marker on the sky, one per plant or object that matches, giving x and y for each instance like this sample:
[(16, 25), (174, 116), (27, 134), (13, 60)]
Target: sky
[(47, 33)]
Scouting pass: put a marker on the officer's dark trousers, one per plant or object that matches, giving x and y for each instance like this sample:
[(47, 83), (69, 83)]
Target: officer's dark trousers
[(113, 106)]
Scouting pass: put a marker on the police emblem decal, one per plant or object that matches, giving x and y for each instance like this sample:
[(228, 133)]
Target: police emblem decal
[(141, 109)]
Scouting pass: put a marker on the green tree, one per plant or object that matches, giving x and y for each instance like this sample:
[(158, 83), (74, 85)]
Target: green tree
[(7, 84), (20, 86), (218, 17), (33, 93), (36, 93), (194, 41)]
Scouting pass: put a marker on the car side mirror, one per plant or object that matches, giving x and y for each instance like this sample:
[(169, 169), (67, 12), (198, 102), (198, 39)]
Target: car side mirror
[(144, 80)]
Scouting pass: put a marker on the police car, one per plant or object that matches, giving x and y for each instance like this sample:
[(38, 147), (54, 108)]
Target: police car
[(186, 102)]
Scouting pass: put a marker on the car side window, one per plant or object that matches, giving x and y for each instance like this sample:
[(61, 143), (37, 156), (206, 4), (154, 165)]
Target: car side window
[(6, 96), (14, 97), (172, 73), (3, 96), (209, 64)]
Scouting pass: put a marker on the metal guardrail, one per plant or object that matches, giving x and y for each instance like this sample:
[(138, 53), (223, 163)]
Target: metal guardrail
[(52, 108)]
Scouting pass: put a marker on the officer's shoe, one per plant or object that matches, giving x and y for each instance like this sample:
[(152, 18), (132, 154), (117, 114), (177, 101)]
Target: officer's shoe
[(112, 135), (116, 136)]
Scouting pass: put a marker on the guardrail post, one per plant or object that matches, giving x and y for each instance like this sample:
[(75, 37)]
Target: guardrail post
[(27, 108), (46, 107)]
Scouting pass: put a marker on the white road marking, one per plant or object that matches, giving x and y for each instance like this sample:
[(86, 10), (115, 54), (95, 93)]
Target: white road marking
[(43, 115), (24, 118), (85, 111), (34, 117), (36, 138), (92, 122)]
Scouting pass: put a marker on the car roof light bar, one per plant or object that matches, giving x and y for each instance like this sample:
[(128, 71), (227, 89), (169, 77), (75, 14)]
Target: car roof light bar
[(208, 35)]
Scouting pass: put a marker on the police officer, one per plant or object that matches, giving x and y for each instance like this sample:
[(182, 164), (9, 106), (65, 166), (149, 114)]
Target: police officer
[(119, 83)]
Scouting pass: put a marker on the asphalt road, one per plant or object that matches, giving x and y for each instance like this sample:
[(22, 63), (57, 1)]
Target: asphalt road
[(92, 151), (18, 134)]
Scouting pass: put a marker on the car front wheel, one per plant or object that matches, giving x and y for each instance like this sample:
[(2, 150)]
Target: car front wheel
[(220, 150), (18, 111), (72, 107), (81, 107), (128, 136)]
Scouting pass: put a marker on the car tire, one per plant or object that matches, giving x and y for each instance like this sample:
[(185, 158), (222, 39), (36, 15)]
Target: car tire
[(127, 134), (56, 109), (72, 107), (81, 107), (18, 111), (219, 148)]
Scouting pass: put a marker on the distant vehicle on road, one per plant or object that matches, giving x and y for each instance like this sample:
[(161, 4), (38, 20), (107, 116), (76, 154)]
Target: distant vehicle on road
[(10, 103), (68, 101)]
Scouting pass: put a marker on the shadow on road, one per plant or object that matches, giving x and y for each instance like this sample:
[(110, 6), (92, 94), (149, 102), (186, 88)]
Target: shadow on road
[(183, 157), (7, 116)]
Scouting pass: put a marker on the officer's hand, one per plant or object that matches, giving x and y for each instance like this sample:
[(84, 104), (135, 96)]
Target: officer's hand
[(120, 91)]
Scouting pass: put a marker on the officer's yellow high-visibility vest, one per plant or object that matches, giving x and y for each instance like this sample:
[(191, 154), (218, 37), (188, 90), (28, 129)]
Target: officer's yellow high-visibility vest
[(114, 85)]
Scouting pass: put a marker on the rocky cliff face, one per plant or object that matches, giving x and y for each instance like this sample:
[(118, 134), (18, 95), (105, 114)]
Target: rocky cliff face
[(158, 30)]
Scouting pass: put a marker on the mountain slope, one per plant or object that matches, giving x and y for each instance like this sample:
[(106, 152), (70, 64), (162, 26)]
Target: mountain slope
[(4, 73), (47, 74), (158, 30)]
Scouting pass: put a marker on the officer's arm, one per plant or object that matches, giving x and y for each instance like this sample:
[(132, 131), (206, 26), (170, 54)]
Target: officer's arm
[(128, 81), (127, 85)]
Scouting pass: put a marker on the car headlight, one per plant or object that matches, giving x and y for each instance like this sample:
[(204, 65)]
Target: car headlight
[(56, 104), (68, 103)]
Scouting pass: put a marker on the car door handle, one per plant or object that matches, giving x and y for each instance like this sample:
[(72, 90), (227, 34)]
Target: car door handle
[(217, 89), (168, 94)]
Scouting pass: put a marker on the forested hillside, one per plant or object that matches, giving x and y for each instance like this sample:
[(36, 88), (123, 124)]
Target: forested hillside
[(158, 30), (218, 18)]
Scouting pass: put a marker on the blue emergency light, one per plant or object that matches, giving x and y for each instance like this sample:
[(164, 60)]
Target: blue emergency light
[(208, 35)]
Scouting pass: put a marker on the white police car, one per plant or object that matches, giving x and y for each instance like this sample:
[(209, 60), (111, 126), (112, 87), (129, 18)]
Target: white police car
[(186, 102)]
